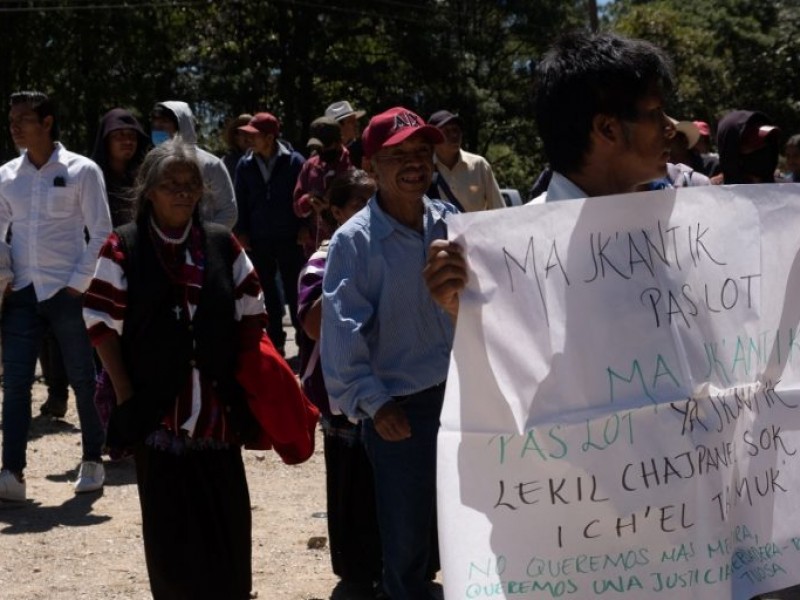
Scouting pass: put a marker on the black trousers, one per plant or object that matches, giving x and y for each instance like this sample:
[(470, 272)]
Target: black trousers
[(284, 257), (53, 370), (196, 523), (352, 520)]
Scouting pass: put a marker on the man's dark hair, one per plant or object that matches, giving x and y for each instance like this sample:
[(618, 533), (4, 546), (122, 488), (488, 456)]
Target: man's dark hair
[(587, 74), (41, 105)]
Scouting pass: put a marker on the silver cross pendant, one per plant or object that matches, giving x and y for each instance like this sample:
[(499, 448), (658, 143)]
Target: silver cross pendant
[(177, 310)]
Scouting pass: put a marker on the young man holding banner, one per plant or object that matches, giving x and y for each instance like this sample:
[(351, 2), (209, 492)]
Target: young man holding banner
[(600, 113), (599, 109)]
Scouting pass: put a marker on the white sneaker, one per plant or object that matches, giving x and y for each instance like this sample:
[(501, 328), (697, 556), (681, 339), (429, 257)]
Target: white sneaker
[(91, 477), (11, 488)]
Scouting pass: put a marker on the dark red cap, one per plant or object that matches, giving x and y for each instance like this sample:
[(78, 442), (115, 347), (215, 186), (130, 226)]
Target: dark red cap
[(393, 127), (262, 122)]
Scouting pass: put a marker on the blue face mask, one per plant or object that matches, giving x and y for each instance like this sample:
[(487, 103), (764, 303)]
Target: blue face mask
[(158, 137)]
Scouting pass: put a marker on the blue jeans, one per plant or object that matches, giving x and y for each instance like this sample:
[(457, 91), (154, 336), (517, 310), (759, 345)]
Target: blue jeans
[(405, 492), (23, 324)]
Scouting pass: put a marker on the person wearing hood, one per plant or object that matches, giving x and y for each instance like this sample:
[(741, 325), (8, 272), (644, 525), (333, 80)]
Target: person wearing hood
[(749, 145), (218, 205), (119, 150)]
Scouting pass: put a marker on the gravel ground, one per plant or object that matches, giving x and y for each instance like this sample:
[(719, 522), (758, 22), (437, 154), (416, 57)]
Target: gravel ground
[(59, 545)]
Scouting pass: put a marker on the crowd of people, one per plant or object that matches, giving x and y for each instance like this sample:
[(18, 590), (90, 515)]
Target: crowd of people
[(144, 275)]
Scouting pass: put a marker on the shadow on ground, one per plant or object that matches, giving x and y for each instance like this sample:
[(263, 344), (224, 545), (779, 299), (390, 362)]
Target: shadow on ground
[(32, 517), (345, 591), (42, 425)]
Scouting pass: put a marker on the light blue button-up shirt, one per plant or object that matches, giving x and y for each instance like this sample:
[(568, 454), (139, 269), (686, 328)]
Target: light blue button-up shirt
[(382, 333)]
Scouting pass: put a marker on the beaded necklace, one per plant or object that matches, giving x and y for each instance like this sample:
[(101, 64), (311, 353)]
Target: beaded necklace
[(169, 240), (179, 291)]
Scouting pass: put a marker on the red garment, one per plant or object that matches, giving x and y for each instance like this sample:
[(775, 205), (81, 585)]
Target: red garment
[(287, 418), (313, 180), (106, 304)]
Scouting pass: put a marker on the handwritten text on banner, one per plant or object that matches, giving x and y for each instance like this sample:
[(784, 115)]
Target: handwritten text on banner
[(622, 416)]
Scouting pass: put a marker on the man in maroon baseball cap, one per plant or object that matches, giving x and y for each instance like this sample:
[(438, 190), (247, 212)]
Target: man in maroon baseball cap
[(263, 123), (268, 227), (398, 146), (393, 127), (385, 344)]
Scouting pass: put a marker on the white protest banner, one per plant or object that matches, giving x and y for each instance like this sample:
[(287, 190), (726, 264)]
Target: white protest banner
[(622, 416)]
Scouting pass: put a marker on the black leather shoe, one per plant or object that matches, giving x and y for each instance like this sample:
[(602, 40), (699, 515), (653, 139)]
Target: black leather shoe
[(54, 408)]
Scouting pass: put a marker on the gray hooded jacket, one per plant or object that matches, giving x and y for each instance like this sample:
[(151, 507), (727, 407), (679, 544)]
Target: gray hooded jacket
[(219, 203)]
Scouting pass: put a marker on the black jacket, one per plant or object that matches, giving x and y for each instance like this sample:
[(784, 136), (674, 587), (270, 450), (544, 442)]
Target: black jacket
[(120, 203), (729, 141), (159, 350)]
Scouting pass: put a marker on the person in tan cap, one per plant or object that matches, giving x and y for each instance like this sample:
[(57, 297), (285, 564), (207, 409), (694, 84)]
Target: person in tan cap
[(705, 151), (685, 167), (347, 117)]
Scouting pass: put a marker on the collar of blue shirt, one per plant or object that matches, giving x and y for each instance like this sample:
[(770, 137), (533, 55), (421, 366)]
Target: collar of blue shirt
[(384, 225)]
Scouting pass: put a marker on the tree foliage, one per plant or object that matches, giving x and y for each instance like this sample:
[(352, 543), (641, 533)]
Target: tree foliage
[(290, 57), (294, 57), (728, 54)]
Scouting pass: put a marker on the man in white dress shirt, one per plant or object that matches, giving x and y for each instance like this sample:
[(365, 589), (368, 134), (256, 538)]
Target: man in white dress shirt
[(50, 197)]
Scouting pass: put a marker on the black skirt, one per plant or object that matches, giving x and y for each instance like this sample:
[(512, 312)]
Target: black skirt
[(196, 523)]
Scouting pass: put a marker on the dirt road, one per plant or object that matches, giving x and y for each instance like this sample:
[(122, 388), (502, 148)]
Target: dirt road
[(62, 546)]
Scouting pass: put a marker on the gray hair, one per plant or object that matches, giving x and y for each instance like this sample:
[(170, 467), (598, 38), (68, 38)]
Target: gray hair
[(156, 162)]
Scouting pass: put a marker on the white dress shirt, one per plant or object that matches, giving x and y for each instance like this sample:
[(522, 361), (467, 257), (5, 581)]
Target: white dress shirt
[(48, 209), (560, 188)]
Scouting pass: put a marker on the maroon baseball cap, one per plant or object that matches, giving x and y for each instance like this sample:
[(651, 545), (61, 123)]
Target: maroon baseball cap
[(262, 122), (393, 127)]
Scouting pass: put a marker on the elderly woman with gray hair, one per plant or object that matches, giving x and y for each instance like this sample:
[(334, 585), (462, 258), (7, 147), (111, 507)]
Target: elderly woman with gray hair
[(172, 305)]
